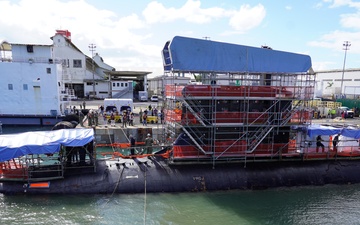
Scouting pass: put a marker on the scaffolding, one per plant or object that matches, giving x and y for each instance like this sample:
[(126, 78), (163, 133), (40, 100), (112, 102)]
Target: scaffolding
[(242, 104), (235, 116)]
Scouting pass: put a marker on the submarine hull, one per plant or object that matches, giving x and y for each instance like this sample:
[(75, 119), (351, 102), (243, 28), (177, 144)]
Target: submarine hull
[(134, 176)]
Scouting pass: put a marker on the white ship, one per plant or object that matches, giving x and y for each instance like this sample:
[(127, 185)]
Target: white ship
[(37, 82)]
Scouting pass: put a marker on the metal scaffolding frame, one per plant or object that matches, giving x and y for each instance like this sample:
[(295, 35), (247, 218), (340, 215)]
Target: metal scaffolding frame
[(229, 116)]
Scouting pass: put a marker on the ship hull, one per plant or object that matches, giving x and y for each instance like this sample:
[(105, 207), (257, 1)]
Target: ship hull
[(31, 120), (154, 176)]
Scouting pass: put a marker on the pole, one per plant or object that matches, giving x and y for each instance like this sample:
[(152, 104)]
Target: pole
[(92, 48), (346, 46)]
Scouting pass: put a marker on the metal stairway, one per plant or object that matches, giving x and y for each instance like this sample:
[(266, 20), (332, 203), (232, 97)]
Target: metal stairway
[(198, 116)]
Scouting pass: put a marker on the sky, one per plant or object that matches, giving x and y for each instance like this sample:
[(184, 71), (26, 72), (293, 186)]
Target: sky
[(129, 35)]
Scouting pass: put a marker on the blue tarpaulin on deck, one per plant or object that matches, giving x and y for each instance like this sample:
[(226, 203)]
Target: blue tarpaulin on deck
[(315, 130), (196, 55), (42, 142)]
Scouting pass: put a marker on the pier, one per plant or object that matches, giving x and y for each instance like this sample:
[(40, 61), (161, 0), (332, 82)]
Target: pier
[(109, 133)]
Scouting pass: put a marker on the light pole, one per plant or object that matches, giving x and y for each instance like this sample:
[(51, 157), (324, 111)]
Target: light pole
[(92, 48), (346, 46)]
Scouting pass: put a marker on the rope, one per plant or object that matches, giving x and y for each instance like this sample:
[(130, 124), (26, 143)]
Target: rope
[(116, 186), (111, 144)]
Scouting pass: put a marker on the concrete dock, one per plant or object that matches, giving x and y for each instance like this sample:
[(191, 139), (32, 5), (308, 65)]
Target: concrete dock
[(108, 133)]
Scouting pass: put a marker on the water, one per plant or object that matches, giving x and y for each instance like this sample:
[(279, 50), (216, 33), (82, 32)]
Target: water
[(302, 205), (330, 204)]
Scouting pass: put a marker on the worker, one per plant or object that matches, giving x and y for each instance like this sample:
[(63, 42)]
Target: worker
[(132, 145), (319, 144), (148, 143)]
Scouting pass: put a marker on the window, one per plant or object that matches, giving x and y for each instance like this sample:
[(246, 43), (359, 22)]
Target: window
[(122, 84), (25, 87), (30, 48), (126, 84), (77, 63), (65, 62), (48, 70), (10, 87), (113, 84), (117, 84), (89, 83)]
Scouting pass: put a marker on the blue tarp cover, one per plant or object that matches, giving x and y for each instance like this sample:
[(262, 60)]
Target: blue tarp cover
[(42, 142), (195, 55), (315, 130)]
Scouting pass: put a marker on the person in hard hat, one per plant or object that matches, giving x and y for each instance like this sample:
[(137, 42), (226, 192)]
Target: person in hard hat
[(148, 143)]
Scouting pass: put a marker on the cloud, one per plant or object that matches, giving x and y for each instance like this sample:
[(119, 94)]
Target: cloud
[(350, 20), (191, 12), (349, 30), (244, 19), (129, 41), (247, 17), (336, 39), (338, 3)]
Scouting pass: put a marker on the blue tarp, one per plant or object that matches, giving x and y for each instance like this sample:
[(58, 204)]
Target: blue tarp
[(42, 142), (315, 130), (196, 55)]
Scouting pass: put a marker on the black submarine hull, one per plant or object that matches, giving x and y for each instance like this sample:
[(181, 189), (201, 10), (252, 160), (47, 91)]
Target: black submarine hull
[(154, 176)]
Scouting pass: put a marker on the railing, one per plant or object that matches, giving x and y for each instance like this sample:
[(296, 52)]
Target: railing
[(32, 60), (121, 93)]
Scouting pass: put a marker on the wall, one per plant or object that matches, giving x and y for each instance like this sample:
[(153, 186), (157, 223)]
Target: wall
[(329, 82), (41, 94)]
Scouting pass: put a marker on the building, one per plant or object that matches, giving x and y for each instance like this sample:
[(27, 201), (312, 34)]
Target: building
[(82, 75), (328, 84), (38, 81), (127, 84)]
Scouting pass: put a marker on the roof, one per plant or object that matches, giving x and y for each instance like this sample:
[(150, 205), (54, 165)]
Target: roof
[(197, 55), (42, 142), (127, 75), (5, 46)]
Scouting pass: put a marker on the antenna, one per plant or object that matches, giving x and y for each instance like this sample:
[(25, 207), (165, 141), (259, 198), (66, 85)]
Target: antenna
[(92, 48), (346, 46)]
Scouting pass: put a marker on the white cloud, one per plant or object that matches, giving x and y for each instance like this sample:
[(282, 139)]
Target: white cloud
[(338, 3), (335, 40), (191, 12), (122, 40), (350, 20), (247, 17)]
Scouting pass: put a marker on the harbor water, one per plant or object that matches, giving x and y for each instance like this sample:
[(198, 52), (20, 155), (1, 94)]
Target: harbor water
[(301, 205), (330, 204)]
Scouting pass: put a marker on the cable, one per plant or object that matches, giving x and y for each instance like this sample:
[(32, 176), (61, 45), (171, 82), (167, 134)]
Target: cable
[(116, 186)]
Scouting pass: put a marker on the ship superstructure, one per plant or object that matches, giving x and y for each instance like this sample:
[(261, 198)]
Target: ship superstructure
[(244, 103)]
